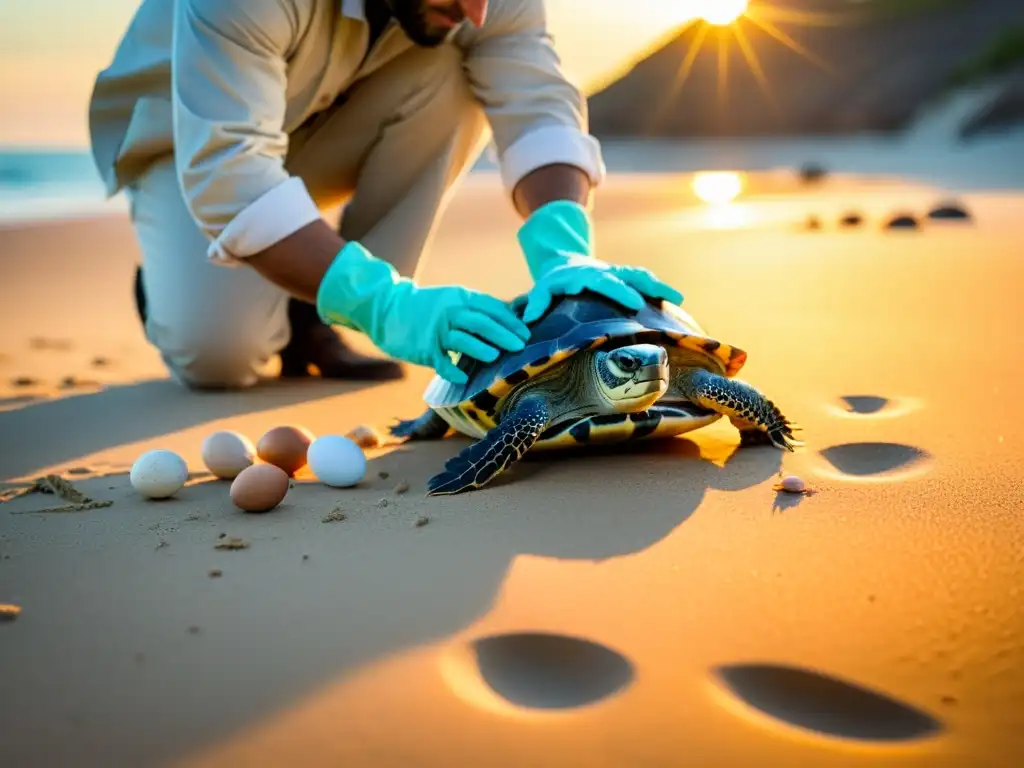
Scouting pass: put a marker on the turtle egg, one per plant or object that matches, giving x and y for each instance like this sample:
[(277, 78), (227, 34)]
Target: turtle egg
[(793, 484), (337, 461), (226, 453), (259, 488), (285, 447), (158, 474)]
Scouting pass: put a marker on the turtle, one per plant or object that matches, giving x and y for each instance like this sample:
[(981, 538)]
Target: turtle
[(593, 373)]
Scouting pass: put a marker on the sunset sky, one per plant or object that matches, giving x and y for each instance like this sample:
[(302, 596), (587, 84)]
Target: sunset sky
[(50, 51)]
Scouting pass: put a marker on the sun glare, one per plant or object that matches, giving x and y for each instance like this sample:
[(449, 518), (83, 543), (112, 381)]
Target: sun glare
[(717, 187), (723, 24), (721, 12)]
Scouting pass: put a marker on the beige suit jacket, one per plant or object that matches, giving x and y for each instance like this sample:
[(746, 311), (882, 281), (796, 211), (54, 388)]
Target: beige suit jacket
[(222, 83)]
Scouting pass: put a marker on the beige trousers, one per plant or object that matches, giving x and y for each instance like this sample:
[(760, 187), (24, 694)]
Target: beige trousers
[(392, 150)]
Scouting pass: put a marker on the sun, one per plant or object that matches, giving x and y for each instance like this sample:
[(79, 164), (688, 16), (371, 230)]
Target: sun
[(724, 23), (721, 12), (717, 187)]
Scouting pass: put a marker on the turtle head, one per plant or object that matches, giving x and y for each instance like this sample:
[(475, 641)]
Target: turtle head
[(632, 378)]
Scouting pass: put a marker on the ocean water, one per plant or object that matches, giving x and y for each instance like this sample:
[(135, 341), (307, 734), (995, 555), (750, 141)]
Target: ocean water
[(39, 184), (36, 183)]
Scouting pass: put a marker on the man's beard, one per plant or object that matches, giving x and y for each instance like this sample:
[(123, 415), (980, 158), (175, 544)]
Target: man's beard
[(411, 16)]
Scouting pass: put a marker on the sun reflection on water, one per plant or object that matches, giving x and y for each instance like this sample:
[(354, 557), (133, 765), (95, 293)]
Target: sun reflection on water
[(717, 187)]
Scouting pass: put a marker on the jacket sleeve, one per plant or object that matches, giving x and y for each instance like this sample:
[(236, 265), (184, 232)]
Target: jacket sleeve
[(537, 116), (228, 83)]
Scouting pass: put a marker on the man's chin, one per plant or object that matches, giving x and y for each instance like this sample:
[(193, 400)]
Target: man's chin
[(426, 37)]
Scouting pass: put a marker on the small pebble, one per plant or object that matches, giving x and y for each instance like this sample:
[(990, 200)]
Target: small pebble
[(402, 487), (305, 557), (383, 475), (100, 362), (365, 436), (232, 543), (193, 630), (216, 573), (24, 381), (382, 503), (40, 342), (336, 516), (421, 521), (70, 382)]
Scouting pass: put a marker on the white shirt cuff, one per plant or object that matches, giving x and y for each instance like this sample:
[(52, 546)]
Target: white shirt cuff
[(273, 216), (552, 144)]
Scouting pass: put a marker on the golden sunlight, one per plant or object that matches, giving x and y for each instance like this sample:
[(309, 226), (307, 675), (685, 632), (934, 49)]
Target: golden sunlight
[(725, 23), (717, 187), (721, 12)]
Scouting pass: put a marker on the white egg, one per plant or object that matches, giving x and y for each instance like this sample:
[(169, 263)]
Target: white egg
[(336, 461), (793, 484), (158, 474), (226, 453)]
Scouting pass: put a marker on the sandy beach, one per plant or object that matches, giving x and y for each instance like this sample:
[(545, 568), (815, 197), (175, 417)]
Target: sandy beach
[(658, 607)]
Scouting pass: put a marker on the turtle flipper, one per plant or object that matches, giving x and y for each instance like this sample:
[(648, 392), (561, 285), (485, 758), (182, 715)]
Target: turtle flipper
[(758, 419), (429, 426), (481, 462)]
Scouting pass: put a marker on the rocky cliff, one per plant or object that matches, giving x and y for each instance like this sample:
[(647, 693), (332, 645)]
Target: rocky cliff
[(845, 70)]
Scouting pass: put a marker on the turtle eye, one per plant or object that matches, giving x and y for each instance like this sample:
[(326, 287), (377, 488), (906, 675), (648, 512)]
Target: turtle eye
[(627, 362)]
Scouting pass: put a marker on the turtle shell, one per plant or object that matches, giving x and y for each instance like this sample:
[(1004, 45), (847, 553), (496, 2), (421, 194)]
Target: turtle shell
[(570, 325)]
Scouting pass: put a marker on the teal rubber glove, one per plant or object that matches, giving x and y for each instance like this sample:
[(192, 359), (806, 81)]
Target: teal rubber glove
[(414, 324), (557, 240)]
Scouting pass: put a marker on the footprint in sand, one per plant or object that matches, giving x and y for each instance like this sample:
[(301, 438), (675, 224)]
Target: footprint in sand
[(872, 406), (864, 404), (876, 460), (538, 671), (826, 704)]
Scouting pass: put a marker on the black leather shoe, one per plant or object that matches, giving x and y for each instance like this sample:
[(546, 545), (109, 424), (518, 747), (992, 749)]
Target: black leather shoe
[(140, 297), (314, 343)]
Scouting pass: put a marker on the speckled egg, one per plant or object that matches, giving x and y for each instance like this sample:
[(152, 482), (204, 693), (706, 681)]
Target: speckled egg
[(158, 474)]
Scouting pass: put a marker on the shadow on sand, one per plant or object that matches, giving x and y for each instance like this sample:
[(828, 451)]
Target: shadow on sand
[(107, 670), (48, 432)]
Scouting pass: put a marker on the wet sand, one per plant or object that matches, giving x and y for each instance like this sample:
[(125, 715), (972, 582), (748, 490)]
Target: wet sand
[(663, 606)]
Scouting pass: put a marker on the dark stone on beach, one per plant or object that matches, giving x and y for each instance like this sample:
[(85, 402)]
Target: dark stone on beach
[(902, 221), (813, 222), (949, 212), (812, 172), (851, 220)]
